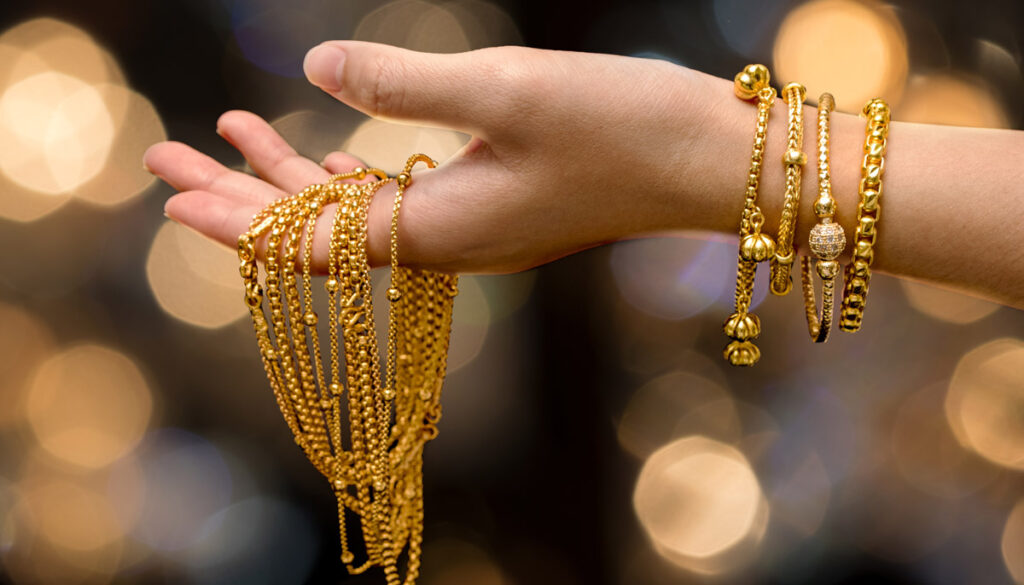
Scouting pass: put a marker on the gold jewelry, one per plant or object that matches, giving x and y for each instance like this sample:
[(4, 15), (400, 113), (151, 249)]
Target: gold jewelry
[(827, 239), (379, 476), (794, 159), (858, 272), (743, 326)]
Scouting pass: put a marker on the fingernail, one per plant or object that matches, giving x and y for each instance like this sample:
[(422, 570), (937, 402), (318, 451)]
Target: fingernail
[(323, 66)]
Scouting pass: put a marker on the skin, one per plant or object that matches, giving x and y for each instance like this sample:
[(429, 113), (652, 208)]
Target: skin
[(572, 150)]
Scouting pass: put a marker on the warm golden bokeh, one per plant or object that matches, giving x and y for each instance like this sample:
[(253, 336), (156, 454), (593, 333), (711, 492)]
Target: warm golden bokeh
[(1013, 542), (927, 453), (701, 505), (471, 320), (953, 101), (855, 50), (56, 132), (414, 24), (948, 306), (985, 401), (675, 405), (387, 145), (89, 405), (24, 343), (194, 279), (68, 125)]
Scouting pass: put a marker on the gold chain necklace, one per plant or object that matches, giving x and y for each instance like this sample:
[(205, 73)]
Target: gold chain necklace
[(376, 470)]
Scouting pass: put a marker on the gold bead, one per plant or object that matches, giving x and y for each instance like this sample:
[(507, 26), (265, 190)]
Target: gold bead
[(791, 87), (794, 156), (331, 285), (757, 247), (388, 393), (825, 207), (742, 353), (394, 294), (335, 388), (403, 179), (338, 484), (750, 81), (827, 269), (742, 326), (309, 318), (347, 557)]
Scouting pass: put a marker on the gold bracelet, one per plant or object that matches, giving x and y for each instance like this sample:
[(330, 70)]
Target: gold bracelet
[(376, 470), (794, 159), (743, 326), (827, 239), (858, 272)]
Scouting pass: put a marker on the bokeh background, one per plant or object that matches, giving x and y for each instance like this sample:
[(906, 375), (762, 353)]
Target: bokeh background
[(592, 433)]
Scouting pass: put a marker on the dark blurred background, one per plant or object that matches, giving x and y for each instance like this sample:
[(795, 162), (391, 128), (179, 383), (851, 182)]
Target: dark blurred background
[(592, 432)]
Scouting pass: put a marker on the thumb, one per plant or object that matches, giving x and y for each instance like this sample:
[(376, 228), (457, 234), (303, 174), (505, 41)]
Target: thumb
[(477, 92)]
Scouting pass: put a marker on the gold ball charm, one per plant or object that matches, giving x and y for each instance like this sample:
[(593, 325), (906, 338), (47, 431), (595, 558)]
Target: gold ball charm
[(347, 557), (827, 269), (751, 80), (743, 326), (825, 206), (794, 156), (757, 247), (394, 294), (742, 353), (309, 318), (403, 179)]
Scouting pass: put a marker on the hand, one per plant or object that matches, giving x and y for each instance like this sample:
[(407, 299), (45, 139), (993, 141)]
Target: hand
[(570, 150)]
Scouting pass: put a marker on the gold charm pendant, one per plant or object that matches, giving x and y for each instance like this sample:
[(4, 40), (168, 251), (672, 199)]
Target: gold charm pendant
[(375, 467)]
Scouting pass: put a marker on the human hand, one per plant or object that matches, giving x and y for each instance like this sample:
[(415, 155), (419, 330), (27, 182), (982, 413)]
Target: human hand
[(569, 150)]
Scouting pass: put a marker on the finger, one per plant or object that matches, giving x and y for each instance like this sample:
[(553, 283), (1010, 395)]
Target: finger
[(268, 154), (339, 162), (475, 92), (187, 169)]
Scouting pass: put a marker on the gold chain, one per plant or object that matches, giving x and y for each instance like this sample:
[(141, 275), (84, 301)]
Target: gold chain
[(378, 476), (827, 239), (794, 159), (858, 272), (742, 326)]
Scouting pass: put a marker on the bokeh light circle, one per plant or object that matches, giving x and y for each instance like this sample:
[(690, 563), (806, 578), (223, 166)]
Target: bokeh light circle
[(89, 405), (697, 499), (387, 145), (1013, 542), (194, 279), (985, 400), (953, 101), (947, 306), (855, 50)]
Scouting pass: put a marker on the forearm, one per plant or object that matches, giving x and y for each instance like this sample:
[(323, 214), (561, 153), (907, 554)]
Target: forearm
[(949, 214)]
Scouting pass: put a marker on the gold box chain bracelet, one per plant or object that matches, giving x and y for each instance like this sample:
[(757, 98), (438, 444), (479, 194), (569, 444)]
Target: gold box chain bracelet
[(858, 272)]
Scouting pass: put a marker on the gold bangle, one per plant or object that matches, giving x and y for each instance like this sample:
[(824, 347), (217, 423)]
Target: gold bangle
[(827, 239), (742, 326), (794, 159), (858, 272)]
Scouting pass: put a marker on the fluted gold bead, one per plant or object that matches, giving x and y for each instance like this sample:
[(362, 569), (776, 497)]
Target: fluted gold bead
[(757, 247), (742, 326), (742, 353)]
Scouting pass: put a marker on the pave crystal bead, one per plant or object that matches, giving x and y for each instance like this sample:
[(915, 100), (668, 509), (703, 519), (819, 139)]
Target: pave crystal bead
[(827, 240)]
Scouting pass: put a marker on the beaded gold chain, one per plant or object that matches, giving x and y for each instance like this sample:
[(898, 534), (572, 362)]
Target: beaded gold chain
[(794, 159), (742, 326), (376, 472)]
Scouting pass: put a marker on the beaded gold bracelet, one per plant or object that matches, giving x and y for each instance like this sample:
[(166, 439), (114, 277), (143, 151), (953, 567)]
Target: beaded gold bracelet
[(858, 272), (794, 159), (827, 239), (743, 326)]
